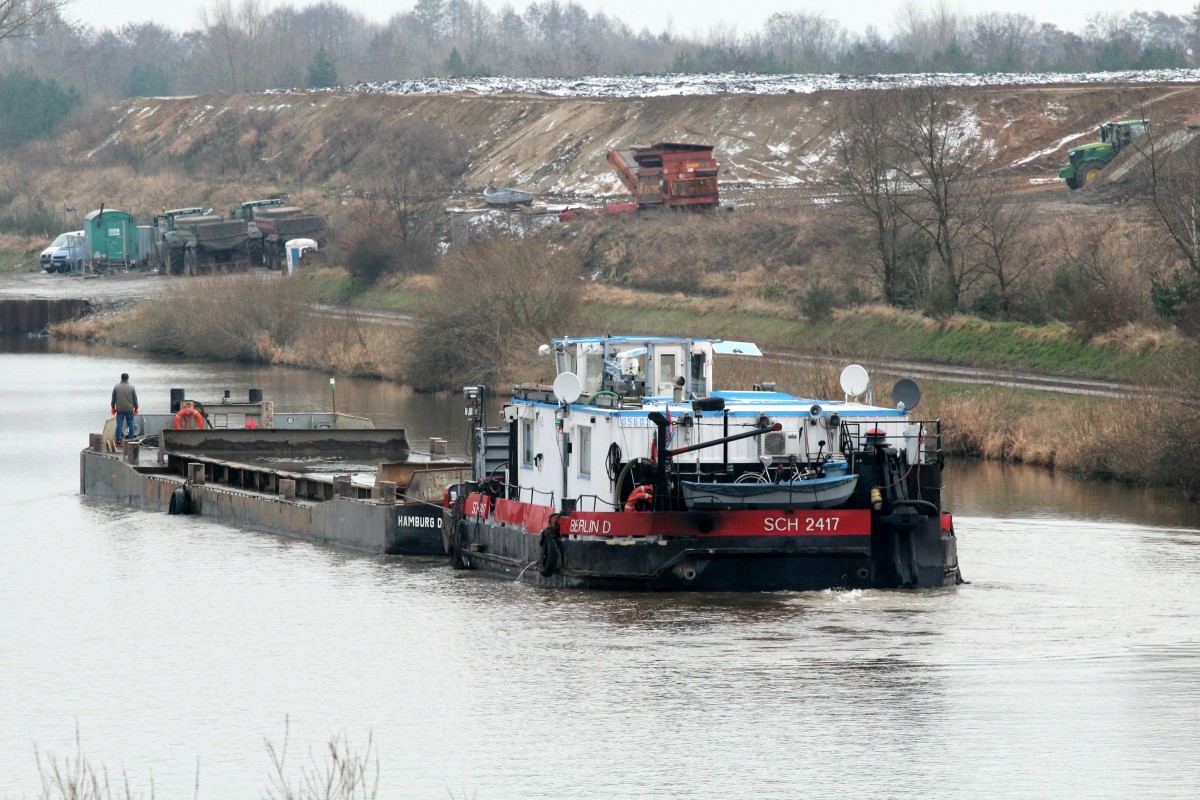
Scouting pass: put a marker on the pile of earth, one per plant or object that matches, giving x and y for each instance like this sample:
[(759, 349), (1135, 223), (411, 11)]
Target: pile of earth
[(771, 134)]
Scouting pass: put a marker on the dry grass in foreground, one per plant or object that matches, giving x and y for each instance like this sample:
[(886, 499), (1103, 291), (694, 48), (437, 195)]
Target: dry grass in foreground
[(338, 772)]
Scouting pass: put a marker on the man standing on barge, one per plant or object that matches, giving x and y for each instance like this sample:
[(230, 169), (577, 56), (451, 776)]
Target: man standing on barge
[(125, 406)]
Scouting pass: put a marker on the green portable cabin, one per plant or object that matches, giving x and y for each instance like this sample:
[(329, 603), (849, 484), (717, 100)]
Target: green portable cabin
[(112, 238)]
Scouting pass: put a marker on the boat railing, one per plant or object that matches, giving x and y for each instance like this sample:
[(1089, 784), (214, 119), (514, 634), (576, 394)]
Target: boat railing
[(591, 502), (524, 494), (855, 437)]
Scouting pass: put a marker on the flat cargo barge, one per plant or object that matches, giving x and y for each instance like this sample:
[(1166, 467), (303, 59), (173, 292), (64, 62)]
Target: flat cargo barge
[(232, 475)]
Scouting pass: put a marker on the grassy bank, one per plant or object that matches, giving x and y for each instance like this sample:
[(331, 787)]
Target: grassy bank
[(1133, 354), (881, 333)]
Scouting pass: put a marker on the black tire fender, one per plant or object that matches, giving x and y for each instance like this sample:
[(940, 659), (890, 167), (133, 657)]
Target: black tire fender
[(181, 502), (550, 552), (452, 534)]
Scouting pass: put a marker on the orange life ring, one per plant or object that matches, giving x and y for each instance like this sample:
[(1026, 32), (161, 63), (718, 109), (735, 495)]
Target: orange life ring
[(189, 413), (641, 498)]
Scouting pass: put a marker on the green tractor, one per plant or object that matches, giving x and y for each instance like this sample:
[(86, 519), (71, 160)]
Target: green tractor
[(1087, 160)]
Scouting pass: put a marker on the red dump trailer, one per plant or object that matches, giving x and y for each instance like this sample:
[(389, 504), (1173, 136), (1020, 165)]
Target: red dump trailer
[(668, 174)]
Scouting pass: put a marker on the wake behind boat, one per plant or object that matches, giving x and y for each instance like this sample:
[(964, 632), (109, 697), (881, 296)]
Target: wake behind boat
[(632, 471)]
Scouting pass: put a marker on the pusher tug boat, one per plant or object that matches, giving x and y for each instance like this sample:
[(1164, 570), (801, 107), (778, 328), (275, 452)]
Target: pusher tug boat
[(631, 472)]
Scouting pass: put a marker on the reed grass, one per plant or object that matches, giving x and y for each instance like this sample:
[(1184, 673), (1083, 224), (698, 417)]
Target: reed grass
[(337, 771)]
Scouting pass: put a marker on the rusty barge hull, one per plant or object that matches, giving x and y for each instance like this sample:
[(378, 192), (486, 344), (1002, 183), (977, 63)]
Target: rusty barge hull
[(378, 520)]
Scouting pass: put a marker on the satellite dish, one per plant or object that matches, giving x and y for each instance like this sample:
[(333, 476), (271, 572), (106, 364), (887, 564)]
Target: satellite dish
[(567, 387), (544, 350), (906, 394), (855, 380)]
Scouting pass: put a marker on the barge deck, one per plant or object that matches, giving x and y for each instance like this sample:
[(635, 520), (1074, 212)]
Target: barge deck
[(236, 476)]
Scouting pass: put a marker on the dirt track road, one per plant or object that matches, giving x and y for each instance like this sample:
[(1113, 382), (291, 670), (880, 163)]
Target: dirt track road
[(116, 289)]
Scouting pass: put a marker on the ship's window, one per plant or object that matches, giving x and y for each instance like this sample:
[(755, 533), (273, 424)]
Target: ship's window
[(699, 388), (666, 368), (527, 442), (585, 450)]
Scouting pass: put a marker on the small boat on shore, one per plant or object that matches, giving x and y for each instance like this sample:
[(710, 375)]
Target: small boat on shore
[(632, 471), (497, 196)]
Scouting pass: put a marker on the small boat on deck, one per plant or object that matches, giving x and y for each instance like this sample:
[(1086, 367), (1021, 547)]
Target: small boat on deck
[(829, 491), (633, 471), (497, 196)]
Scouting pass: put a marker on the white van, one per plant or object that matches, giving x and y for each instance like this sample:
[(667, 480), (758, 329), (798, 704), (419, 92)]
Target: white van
[(65, 253)]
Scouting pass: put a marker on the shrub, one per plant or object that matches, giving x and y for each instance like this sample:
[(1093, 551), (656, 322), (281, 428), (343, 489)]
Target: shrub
[(369, 257), (238, 319), (493, 301), (817, 302), (36, 219), (1100, 281), (377, 252)]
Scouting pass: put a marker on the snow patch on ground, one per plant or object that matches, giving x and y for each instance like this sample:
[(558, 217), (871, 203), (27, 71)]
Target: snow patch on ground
[(1054, 148), (739, 83)]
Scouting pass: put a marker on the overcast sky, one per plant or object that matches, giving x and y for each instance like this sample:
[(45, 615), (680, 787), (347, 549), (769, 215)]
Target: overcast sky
[(687, 17)]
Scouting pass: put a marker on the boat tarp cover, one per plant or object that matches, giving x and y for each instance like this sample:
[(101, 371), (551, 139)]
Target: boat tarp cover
[(745, 491)]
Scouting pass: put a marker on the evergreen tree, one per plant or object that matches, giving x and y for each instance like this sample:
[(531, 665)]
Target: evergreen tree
[(32, 107), (322, 72), (148, 80), (455, 66)]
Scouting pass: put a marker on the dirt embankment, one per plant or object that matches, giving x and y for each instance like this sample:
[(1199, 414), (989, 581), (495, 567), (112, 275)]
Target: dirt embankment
[(554, 146)]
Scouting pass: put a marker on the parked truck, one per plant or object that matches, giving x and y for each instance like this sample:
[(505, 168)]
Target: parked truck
[(279, 225), (1086, 161), (194, 241), (271, 224), (668, 175)]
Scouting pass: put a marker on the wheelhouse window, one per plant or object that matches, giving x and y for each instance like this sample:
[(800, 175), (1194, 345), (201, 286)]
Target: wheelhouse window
[(666, 368)]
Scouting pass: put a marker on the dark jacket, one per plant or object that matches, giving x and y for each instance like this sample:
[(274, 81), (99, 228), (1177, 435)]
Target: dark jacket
[(124, 397)]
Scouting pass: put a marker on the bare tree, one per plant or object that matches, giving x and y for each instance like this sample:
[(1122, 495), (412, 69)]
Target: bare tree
[(939, 159), (863, 144), (233, 37), (1170, 179), (1003, 41), (927, 33), (1001, 233), (804, 42), (27, 17)]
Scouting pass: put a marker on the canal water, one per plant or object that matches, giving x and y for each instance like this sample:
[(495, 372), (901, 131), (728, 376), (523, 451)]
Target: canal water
[(175, 649)]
